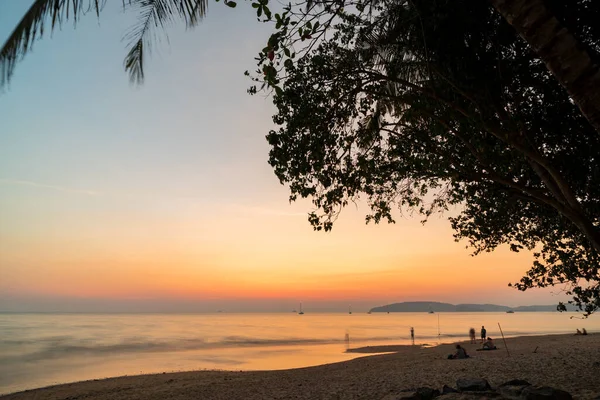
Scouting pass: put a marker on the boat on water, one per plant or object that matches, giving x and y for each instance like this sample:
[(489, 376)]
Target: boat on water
[(301, 312), (349, 309), (431, 312), (510, 312)]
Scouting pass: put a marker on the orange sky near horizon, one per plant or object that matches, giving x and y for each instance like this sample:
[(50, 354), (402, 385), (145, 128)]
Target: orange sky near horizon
[(253, 254)]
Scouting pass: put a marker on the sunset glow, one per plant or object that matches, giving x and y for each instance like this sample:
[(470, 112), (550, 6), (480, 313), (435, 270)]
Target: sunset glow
[(163, 193)]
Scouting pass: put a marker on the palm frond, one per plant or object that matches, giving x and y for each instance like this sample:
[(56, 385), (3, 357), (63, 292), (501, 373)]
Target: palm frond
[(33, 24), (156, 14)]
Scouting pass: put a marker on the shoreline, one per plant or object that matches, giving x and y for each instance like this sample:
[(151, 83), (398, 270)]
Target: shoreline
[(567, 362)]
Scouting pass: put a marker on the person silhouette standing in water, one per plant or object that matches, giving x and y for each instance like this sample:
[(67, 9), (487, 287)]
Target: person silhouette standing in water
[(483, 334), (412, 335)]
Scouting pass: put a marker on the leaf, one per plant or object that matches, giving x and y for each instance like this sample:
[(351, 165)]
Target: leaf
[(32, 26), (156, 13), (231, 4)]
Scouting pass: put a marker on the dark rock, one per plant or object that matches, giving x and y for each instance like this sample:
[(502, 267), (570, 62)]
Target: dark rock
[(426, 393), (472, 384), (485, 394), (397, 396), (447, 389), (471, 396), (544, 393), (516, 382)]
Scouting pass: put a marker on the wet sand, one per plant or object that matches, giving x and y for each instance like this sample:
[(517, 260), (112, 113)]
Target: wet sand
[(567, 362)]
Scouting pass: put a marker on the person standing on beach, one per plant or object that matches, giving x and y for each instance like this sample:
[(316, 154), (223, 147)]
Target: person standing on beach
[(483, 333), (412, 335), (472, 335)]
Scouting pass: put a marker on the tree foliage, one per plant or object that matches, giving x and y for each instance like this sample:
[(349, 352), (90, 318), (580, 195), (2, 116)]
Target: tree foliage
[(428, 104), (563, 46)]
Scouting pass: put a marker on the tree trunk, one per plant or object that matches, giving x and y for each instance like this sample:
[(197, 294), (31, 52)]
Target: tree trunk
[(565, 57)]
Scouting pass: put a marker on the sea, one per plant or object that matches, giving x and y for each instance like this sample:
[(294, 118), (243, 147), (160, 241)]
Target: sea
[(39, 350)]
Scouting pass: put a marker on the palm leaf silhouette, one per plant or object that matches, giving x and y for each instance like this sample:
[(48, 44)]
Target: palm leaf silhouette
[(153, 14)]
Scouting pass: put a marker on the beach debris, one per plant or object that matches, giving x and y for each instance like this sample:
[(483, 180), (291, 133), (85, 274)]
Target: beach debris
[(504, 340), (544, 393), (472, 385)]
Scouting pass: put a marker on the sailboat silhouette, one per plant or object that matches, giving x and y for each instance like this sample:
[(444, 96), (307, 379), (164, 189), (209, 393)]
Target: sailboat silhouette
[(301, 312), (350, 309)]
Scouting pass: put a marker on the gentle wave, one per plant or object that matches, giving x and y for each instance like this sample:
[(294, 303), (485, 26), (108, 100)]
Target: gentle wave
[(58, 347), (55, 349)]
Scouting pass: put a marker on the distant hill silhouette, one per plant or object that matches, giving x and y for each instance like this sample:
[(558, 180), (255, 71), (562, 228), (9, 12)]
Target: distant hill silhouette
[(426, 306)]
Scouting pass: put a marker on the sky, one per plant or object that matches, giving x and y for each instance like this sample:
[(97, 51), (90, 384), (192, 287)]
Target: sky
[(116, 197)]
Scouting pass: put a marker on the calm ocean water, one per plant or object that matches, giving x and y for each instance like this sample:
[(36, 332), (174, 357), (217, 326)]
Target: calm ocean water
[(44, 349)]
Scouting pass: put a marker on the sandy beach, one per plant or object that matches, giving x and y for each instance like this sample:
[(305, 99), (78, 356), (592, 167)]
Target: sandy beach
[(567, 362)]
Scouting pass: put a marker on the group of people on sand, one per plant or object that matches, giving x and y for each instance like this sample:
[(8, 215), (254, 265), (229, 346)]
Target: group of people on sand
[(486, 341)]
